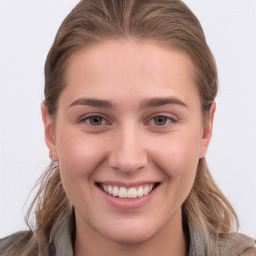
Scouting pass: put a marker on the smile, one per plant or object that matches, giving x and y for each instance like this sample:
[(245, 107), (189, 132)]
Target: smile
[(128, 192)]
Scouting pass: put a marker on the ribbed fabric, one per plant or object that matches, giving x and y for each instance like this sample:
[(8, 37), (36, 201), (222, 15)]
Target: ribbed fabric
[(62, 244), (197, 243)]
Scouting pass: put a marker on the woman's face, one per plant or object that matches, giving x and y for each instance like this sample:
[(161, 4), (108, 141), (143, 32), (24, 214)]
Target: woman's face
[(128, 122)]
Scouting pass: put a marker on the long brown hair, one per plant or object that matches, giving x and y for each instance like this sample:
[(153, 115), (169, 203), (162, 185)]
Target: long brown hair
[(167, 21)]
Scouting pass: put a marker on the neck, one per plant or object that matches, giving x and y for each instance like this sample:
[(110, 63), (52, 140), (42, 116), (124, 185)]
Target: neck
[(170, 241)]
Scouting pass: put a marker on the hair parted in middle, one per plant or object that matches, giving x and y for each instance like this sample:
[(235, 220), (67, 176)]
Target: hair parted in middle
[(171, 23)]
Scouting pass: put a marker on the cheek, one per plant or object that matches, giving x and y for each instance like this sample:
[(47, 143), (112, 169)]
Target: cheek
[(178, 156), (79, 154)]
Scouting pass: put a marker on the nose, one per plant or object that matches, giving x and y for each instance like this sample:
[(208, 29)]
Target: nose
[(128, 153)]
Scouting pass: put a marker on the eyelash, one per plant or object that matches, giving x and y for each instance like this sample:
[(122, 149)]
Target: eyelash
[(169, 121)]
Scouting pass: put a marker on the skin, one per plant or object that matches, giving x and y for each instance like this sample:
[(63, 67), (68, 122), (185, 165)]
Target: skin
[(129, 145)]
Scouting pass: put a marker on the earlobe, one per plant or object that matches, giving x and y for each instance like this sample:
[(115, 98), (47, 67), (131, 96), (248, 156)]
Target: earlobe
[(49, 132), (207, 133)]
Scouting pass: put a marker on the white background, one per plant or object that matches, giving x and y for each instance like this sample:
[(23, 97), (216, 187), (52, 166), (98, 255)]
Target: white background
[(27, 30)]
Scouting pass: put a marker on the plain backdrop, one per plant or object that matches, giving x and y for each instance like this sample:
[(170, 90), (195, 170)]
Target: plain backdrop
[(27, 30)]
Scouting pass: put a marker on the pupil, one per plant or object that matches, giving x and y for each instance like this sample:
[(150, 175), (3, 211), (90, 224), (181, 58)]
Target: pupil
[(96, 120), (160, 120)]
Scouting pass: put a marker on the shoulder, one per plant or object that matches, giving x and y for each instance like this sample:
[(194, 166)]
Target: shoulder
[(15, 243), (237, 244)]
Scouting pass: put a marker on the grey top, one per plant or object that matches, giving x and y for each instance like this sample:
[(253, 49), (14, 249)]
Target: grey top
[(61, 245), (61, 242)]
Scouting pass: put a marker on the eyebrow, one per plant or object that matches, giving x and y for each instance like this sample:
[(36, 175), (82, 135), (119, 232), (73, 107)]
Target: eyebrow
[(160, 101), (147, 103), (92, 102)]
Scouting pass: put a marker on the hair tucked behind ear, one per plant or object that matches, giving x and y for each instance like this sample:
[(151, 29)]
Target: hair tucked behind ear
[(167, 21)]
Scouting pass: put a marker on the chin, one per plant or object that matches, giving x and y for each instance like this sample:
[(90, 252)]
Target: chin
[(129, 235), (131, 238)]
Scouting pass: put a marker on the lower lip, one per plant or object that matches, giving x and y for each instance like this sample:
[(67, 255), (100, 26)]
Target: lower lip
[(126, 204)]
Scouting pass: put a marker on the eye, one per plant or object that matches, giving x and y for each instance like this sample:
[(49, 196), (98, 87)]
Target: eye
[(161, 121), (94, 120)]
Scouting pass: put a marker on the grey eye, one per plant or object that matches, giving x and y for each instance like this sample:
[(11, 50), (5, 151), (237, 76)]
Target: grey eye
[(160, 120), (95, 120)]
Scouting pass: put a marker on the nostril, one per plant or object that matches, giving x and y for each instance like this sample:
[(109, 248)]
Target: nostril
[(127, 165), (128, 156)]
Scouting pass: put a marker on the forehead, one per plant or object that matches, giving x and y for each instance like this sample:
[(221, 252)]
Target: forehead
[(129, 69)]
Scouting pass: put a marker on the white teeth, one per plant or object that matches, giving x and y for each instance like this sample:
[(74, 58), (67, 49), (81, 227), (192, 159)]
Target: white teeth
[(146, 190), (115, 191), (123, 192), (132, 193), (140, 192), (110, 189), (105, 188)]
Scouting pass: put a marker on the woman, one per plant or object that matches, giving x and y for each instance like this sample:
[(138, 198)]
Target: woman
[(128, 114)]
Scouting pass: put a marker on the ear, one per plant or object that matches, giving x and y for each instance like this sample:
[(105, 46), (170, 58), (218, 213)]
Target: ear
[(49, 132), (207, 131)]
